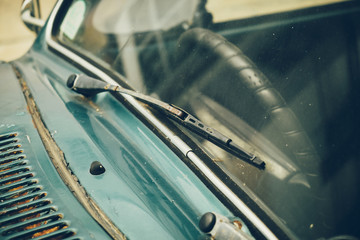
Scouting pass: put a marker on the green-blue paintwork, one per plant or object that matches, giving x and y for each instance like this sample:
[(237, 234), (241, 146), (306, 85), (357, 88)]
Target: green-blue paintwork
[(15, 118), (147, 191)]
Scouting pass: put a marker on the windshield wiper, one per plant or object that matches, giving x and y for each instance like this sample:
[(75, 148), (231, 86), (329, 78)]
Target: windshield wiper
[(88, 86)]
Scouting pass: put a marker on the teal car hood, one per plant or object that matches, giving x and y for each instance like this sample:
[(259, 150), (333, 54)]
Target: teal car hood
[(146, 189), (34, 200)]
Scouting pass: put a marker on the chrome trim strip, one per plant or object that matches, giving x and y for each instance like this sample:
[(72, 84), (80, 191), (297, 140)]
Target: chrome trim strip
[(182, 146)]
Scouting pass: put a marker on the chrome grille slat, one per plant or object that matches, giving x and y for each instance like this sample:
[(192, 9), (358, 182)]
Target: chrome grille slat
[(6, 172), (28, 208), (60, 234), (8, 148), (25, 210), (43, 232), (13, 164), (20, 232), (22, 226), (12, 175), (9, 154), (28, 198), (26, 218), (11, 159), (7, 136), (18, 185), (3, 143), (19, 193)]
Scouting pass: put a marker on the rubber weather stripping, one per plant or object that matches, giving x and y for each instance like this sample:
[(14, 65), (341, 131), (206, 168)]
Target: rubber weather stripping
[(59, 161)]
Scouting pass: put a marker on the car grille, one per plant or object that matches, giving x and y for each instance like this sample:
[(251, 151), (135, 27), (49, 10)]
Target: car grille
[(26, 210)]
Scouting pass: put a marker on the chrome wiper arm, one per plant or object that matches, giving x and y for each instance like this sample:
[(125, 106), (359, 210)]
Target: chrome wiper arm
[(88, 86)]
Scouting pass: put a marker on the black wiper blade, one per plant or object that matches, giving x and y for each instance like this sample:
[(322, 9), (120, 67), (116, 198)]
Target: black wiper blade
[(214, 136), (90, 86)]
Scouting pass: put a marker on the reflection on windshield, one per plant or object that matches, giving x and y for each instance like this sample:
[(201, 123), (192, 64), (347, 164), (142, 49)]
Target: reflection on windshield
[(228, 10), (130, 17), (296, 109)]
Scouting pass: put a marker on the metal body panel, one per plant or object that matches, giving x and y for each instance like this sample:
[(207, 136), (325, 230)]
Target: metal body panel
[(15, 118), (146, 189), (152, 187)]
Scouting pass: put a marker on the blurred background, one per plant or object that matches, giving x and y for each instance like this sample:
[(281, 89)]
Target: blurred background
[(15, 38)]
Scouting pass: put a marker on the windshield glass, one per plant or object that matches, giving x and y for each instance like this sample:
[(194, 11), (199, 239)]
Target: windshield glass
[(281, 80)]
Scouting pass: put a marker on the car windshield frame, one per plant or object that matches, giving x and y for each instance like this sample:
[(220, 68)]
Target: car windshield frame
[(241, 190)]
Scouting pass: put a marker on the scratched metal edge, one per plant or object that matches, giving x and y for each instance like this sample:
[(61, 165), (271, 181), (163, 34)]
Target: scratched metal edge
[(58, 159)]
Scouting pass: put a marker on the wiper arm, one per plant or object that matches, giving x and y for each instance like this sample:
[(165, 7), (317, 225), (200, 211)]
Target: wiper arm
[(88, 86)]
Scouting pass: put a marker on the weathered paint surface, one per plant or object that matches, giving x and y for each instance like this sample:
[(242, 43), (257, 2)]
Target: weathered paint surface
[(44, 183), (146, 189)]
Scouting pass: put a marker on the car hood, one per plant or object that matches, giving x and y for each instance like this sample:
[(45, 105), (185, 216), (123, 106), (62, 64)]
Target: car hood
[(34, 201), (146, 189)]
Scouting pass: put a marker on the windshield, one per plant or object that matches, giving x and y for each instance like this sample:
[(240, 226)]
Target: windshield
[(280, 82)]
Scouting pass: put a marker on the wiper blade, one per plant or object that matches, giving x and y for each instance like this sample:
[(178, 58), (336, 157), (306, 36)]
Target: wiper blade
[(88, 86)]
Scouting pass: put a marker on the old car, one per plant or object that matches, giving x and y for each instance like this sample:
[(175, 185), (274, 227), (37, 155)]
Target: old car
[(188, 119)]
